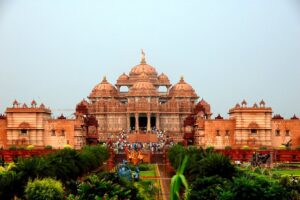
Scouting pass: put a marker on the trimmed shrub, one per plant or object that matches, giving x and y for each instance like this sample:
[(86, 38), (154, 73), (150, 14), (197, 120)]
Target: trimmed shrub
[(13, 147), (297, 148), (210, 149), (67, 146), (282, 147), (228, 147), (30, 147), (263, 148), (245, 147), (41, 189), (48, 147)]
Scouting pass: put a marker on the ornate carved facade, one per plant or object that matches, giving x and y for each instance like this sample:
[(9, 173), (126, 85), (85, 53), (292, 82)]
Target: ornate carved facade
[(139, 102), (32, 125)]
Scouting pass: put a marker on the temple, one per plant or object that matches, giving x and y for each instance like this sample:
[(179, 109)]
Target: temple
[(139, 103)]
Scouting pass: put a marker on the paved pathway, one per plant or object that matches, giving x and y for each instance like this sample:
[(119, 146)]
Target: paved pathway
[(165, 182)]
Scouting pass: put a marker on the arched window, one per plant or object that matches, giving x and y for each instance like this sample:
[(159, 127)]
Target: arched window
[(24, 131), (124, 89), (162, 89)]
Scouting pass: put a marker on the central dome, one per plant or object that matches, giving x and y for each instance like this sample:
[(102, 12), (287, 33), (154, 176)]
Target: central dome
[(143, 68)]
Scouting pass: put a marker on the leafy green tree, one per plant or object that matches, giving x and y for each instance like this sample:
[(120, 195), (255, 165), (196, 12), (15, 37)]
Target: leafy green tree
[(176, 155), (9, 184), (213, 164), (44, 189), (29, 168)]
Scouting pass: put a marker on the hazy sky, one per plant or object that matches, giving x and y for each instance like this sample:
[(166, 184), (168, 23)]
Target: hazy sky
[(56, 51)]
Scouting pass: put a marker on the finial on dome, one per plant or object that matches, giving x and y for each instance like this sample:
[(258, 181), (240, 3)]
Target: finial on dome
[(181, 78), (143, 59), (104, 79)]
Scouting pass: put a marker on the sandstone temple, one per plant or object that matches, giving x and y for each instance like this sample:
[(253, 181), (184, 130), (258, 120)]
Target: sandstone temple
[(142, 101)]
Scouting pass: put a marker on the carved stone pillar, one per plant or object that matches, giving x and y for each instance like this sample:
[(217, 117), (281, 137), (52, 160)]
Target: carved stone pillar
[(137, 128), (148, 121), (128, 121), (157, 121)]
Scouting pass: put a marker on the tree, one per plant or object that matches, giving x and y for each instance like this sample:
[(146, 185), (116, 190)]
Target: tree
[(214, 164)]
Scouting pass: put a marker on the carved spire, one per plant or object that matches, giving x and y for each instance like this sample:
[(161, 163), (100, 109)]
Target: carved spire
[(181, 79), (143, 59), (104, 79)]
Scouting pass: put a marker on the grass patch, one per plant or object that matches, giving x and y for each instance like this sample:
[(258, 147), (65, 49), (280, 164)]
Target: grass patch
[(147, 173), (287, 172)]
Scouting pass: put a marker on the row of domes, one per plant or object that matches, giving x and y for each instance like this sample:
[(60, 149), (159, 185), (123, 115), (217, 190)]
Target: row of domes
[(142, 85)]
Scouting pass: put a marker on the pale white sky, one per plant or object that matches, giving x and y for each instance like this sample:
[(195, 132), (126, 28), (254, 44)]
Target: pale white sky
[(56, 51)]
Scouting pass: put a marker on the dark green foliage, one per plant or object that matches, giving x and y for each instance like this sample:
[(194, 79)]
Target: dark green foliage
[(256, 188), (48, 147), (29, 168), (212, 176), (44, 189), (297, 148), (146, 190), (263, 148), (13, 147), (106, 185), (228, 147), (176, 154), (142, 167), (213, 164), (66, 165), (9, 184), (208, 188)]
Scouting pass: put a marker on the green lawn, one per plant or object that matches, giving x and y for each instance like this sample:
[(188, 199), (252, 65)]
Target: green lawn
[(295, 172), (148, 173)]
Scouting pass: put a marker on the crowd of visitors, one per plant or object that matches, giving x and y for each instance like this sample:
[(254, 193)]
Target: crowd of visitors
[(121, 143)]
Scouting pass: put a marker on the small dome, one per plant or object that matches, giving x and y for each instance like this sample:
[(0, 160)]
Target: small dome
[(15, 103), (203, 102), (244, 103), (104, 89), (294, 117), (163, 79), (219, 117), (182, 89), (33, 102), (123, 77)]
